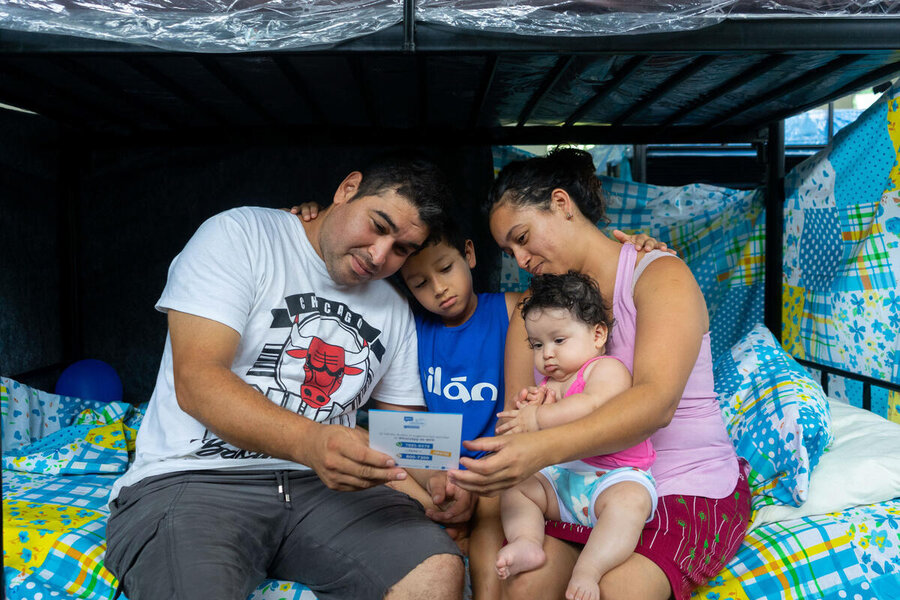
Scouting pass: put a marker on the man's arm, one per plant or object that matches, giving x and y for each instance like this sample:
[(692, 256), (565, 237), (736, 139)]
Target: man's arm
[(203, 351)]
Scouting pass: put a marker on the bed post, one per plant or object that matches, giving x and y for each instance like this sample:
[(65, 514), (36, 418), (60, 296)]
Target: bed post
[(69, 212), (409, 25), (774, 227)]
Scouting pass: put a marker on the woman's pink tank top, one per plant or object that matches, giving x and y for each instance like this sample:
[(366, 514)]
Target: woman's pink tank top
[(640, 455), (694, 455)]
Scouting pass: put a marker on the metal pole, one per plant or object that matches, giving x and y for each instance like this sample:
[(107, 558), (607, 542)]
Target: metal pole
[(409, 25), (639, 168), (774, 227), (830, 122), (69, 213)]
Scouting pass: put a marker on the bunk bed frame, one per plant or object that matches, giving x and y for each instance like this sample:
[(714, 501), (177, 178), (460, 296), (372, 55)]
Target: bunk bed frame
[(418, 83)]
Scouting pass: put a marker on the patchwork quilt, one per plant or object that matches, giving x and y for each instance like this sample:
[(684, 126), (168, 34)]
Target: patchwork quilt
[(61, 456), (841, 306)]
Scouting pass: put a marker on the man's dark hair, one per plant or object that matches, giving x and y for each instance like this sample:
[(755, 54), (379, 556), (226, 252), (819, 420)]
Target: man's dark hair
[(573, 291), (418, 180)]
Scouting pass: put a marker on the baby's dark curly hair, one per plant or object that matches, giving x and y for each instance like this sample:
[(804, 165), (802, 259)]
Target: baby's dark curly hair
[(573, 291)]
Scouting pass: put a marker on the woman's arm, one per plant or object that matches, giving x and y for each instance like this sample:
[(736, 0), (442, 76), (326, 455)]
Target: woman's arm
[(518, 364), (603, 380), (671, 322), (512, 300)]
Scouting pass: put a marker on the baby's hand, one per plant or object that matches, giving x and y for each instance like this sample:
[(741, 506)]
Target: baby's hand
[(522, 420), (536, 395)]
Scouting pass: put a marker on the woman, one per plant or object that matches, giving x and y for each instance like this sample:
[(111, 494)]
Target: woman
[(542, 212)]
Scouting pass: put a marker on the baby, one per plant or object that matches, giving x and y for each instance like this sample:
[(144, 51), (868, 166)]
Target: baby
[(568, 327)]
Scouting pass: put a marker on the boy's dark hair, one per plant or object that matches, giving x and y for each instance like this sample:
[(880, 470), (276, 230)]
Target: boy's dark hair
[(530, 182), (447, 232), (573, 291), (414, 178)]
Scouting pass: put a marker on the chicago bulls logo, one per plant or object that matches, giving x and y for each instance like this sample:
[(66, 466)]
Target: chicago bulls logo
[(325, 367)]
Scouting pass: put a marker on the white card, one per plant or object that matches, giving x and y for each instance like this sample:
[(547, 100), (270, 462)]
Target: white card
[(420, 440)]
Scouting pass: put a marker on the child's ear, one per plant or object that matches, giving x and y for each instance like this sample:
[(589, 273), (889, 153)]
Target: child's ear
[(601, 333), (470, 254)]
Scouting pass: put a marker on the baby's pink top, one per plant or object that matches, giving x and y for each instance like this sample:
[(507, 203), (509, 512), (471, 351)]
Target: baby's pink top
[(694, 455), (640, 455)]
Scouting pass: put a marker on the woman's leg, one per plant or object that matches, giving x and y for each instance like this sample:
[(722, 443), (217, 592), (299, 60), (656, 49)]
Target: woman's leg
[(522, 511), (549, 581), (638, 578), (621, 510), (485, 540)]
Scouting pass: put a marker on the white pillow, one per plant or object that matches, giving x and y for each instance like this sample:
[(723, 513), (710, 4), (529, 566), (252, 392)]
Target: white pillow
[(862, 466)]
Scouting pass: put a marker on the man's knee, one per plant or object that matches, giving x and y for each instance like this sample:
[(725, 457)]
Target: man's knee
[(439, 577)]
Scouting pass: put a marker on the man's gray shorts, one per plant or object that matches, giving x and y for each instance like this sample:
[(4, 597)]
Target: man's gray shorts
[(210, 534)]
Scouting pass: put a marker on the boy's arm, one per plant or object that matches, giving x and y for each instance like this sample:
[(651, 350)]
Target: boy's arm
[(603, 380)]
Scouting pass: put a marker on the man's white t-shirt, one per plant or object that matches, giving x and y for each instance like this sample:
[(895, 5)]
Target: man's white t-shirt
[(309, 345)]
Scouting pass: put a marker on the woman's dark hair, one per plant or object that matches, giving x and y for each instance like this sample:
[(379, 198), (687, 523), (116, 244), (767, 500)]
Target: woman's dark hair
[(573, 291), (530, 182)]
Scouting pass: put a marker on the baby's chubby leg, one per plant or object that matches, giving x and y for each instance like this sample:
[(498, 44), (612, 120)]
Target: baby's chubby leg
[(622, 510), (522, 511)]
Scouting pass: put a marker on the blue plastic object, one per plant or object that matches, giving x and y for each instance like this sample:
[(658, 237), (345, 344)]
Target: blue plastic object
[(90, 379)]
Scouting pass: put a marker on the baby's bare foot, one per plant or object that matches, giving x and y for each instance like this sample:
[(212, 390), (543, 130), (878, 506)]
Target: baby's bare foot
[(518, 556), (583, 585)]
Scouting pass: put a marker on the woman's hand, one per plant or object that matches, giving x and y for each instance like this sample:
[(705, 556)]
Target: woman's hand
[(512, 460), (307, 211), (642, 241), (521, 420)]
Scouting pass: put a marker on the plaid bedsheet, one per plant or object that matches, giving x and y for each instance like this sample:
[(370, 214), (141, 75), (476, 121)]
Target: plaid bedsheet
[(61, 456), (854, 554), (54, 527)]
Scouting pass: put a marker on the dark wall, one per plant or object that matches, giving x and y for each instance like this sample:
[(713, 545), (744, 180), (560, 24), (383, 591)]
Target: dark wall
[(140, 206), (30, 335)]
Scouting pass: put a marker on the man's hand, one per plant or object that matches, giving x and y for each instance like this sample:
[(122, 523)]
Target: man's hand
[(521, 420), (342, 459), (456, 504)]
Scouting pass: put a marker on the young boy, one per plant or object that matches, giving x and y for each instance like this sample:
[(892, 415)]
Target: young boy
[(461, 339)]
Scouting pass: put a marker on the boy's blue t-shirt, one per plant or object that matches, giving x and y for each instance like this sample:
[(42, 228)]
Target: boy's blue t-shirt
[(462, 367)]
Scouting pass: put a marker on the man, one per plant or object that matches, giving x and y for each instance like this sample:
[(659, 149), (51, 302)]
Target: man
[(278, 331)]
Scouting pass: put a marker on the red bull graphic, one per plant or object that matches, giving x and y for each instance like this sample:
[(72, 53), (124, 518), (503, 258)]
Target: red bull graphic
[(325, 367)]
